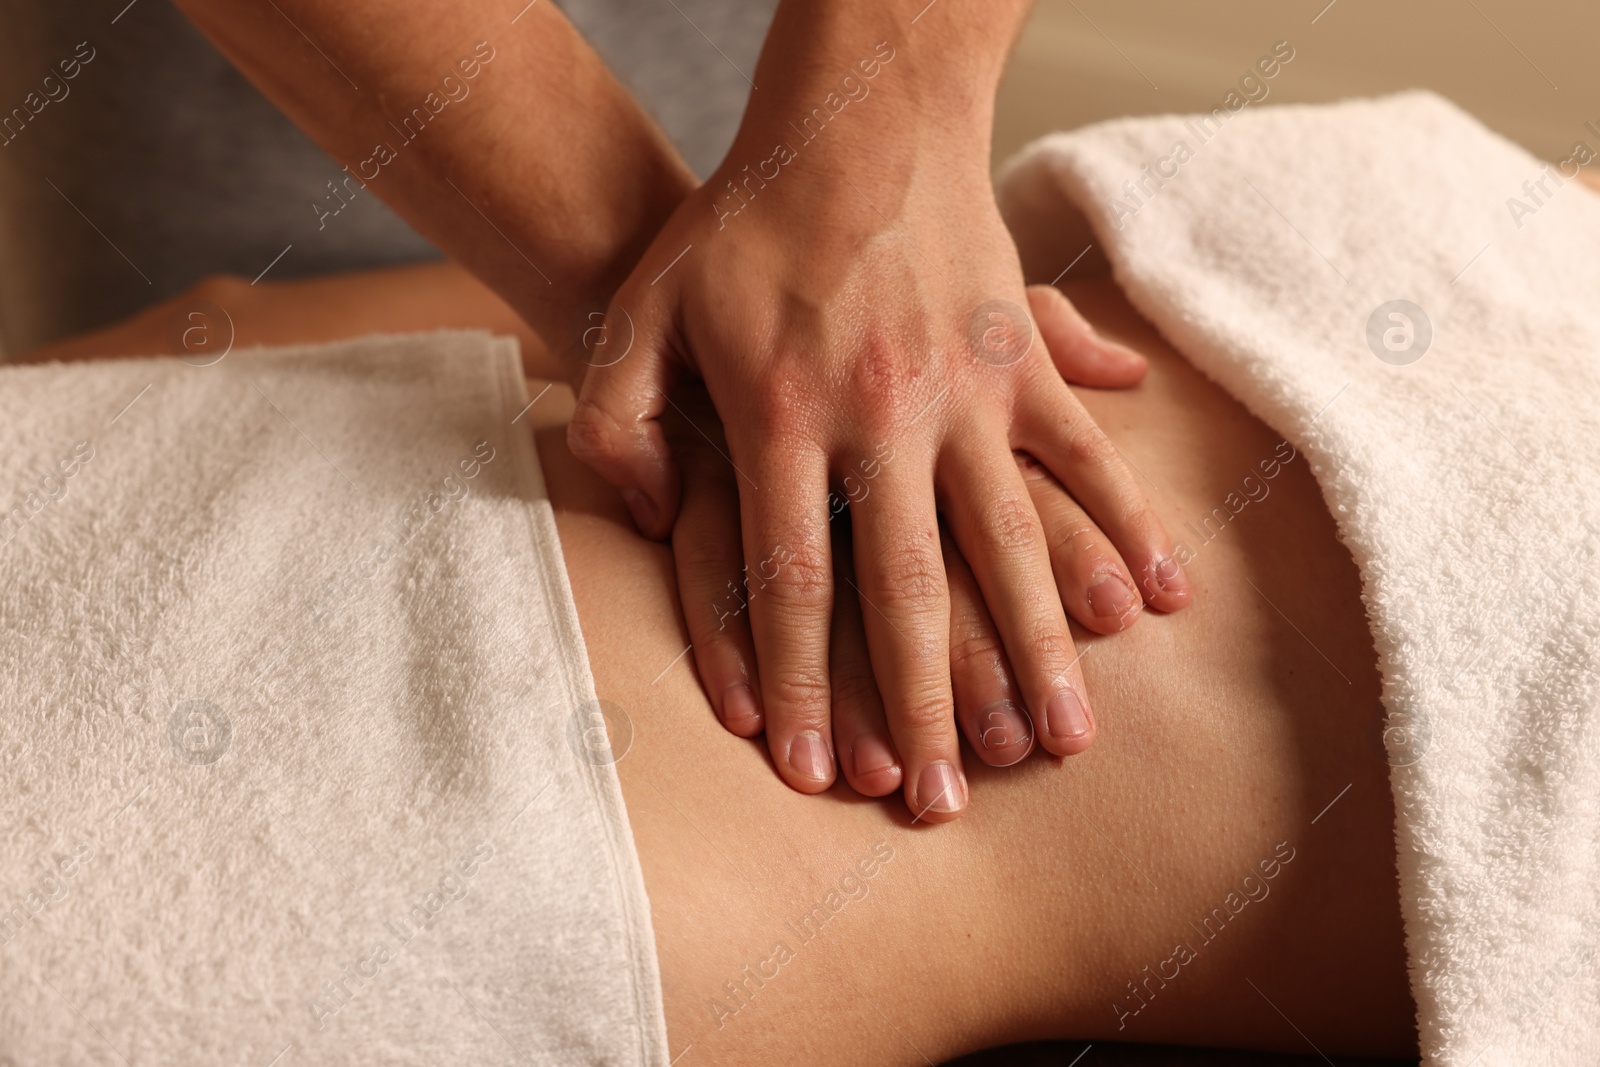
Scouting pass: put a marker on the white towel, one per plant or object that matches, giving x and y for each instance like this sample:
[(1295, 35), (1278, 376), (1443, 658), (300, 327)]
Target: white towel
[(1461, 472), (300, 761)]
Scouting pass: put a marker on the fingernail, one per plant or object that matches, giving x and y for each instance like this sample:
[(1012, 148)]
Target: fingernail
[(939, 789), (1065, 716), (871, 754), (1004, 730), (808, 756), (739, 711), (645, 513), (1110, 598), (1166, 576)]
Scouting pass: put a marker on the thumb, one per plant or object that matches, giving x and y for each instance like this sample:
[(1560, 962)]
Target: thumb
[(1081, 355), (616, 427)]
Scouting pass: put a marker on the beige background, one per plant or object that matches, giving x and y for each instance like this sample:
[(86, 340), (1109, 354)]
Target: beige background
[(1528, 68), (1535, 78)]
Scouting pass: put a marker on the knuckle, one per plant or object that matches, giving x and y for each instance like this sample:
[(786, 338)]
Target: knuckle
[(775, 397), (795, 579), (881, 372), (1010, 526), (978, 651), (1073, 538), (1090, 447), (771, 407), (1049, 648), (929, 716), (803, 692), (594, 436), (911, 580)]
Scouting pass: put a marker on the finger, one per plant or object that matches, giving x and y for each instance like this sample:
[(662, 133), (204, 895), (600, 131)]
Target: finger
[(710, 565), (999, 533), (988, 706), (1095, 586), (1080, 354), (615, 427), (790, 579), (906, 608), (860, 730), (1051, 425)]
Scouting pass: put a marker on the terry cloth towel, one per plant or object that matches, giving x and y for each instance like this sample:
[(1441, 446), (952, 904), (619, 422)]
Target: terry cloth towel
[(301, 757), (1453, 436)]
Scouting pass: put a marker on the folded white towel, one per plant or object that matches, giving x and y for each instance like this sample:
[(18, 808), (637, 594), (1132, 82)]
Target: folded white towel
[(1455, 446), (299, 752)]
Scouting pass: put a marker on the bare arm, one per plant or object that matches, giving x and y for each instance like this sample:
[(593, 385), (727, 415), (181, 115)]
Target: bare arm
[(507, 144)]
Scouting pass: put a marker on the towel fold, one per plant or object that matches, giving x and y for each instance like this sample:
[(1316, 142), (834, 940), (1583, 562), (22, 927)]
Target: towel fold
[(300, 749)]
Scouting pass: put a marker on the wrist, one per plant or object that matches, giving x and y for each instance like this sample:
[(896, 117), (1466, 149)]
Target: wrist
[(826, 145), (593, 211), (874, 96), (605, 232), (548, 184)]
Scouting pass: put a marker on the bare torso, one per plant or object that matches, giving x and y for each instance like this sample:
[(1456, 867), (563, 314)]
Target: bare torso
[(1183, 881), (1218, 868)]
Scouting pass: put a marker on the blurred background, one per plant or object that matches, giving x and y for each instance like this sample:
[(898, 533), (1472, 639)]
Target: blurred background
[(1527, 68), (165, 166)]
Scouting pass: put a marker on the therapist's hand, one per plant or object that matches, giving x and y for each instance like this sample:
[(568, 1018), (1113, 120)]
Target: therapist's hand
[(986, 673), (854, 304), (989, 710)]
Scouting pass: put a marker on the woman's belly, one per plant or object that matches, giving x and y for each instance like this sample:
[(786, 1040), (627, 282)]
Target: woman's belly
[(1224, 733)]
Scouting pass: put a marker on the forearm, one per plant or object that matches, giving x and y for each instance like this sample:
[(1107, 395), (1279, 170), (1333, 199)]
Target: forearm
[(510, 146), (873, 88)]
